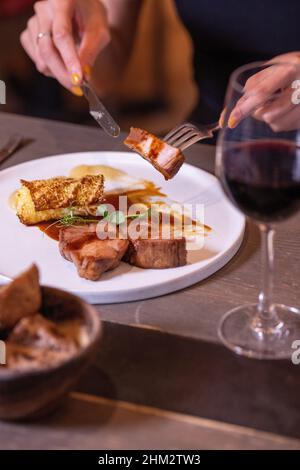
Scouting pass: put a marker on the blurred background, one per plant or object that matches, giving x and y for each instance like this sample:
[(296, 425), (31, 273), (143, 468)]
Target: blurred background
[(156, 92)]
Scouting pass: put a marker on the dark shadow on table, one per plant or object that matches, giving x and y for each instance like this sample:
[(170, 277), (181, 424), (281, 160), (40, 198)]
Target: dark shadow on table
[(198, 378)]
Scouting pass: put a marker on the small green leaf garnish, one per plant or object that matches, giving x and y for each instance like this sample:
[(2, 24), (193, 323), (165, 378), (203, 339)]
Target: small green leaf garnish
[(117, 218), (139, 216), (70, 220), (102, 211)]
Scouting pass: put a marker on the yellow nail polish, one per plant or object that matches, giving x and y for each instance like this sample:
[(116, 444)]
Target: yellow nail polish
[(232, 122), (87, 70), (75, 79), (76, 90)]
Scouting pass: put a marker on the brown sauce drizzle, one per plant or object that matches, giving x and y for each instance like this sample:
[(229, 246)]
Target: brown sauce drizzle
[(50, 229), (134, 196)]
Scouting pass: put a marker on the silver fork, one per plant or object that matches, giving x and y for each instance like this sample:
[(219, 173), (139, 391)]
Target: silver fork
[(185, 135)]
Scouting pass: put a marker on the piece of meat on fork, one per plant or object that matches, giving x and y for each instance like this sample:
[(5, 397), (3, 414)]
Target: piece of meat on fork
[(164, 157)]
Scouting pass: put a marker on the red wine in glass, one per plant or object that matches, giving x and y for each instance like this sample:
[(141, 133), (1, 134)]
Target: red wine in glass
[(262, 178), (259, 169)]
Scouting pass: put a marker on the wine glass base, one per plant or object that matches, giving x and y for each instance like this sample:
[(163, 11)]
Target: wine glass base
[(239, 332)]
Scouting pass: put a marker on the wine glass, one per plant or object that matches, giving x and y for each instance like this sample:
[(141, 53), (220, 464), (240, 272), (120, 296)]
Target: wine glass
[(259, 169)]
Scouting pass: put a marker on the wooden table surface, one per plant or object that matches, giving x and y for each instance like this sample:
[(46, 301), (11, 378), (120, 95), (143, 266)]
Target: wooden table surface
[(161, 378)]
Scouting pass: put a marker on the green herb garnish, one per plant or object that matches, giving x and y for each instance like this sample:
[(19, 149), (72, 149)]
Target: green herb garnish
[(102, 210), (69, 219), (116, 217)]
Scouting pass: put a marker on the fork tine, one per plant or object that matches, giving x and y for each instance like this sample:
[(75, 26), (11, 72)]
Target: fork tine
[(191, 141), (179, 135), (187, 134), (177, 129), (185, 138), (173, 132)]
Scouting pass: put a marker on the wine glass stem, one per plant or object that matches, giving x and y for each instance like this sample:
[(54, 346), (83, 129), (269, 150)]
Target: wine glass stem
[(266, 317)]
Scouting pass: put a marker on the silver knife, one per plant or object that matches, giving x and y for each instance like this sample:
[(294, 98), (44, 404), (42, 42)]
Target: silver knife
[(99, 112), (13, 144)]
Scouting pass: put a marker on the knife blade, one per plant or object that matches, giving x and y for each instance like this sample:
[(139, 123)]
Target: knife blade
[(13, 144), (99, 112)]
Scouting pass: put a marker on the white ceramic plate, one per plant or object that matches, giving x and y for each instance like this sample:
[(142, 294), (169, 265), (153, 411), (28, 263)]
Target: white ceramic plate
[(20, 245)]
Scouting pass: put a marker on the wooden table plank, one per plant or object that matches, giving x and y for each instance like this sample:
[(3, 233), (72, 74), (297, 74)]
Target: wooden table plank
[(87, 423), (195, 311), (194, 377), (170, 358)]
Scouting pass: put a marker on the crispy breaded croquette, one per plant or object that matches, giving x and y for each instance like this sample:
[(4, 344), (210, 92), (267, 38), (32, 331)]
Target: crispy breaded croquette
[(43, 200)]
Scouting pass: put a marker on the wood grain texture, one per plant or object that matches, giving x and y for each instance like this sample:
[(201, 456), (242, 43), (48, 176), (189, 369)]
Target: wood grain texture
[(195, 311), (195, 377), (86, 423), (142, 365)]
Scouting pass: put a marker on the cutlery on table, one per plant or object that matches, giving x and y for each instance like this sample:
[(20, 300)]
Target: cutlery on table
[(15, 142), (4, 279), (99, 112)]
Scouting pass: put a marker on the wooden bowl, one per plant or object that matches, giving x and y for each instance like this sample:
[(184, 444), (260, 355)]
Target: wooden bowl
[(33, 392)]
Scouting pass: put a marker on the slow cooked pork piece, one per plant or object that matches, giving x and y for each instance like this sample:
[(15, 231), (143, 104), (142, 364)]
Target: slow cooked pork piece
[(165, 158), (91, 256), (157, 253)]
